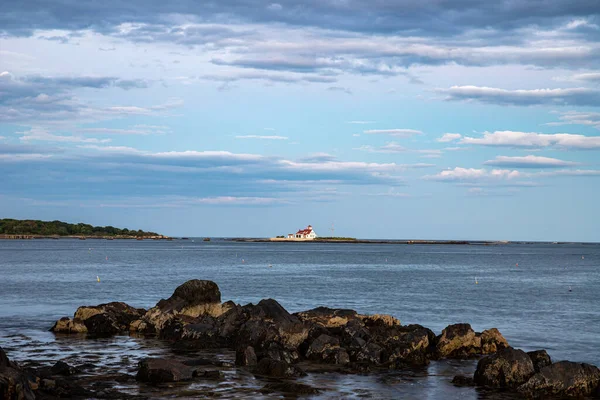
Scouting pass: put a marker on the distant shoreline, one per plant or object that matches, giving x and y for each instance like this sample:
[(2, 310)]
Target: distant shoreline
[(56, 237), (367, 241)]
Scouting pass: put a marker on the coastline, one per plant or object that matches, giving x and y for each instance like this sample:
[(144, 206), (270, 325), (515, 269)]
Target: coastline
[(80, 237), (368, 241), (208, 341)]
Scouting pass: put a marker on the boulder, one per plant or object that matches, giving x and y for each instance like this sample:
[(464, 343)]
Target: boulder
[(160, 370), (508, 368), (406, 345), (492, 341), (14, 383), (192, 299), (458, 341), (328, 317), (540, 359), (337, 317), (62, 368), (277, 369), (246, 357), (103, 319), (563, 379), (68, 325), (323, 348)]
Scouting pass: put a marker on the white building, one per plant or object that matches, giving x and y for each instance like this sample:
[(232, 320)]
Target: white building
[(307, 233)]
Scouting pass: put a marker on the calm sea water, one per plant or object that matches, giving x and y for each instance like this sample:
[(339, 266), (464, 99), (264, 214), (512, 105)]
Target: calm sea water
[(433, 285)]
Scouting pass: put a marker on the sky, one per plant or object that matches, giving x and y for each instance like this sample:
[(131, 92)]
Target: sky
[(400, 119)]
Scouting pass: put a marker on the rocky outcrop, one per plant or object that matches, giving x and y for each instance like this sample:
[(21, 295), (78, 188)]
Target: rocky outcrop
[(461, 341), (193, 299), (14, 384), (508, 368), (563, 379), (160, 370), (104, 319), (540, 359), (277, 369)]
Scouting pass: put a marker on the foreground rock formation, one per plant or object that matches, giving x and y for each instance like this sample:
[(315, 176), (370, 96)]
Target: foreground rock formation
[(269, 341), (533, 375)]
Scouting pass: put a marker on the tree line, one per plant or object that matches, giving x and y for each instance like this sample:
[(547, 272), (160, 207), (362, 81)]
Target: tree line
[(59, 228)]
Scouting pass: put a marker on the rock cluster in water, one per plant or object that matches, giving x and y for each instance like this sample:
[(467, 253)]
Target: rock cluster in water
[(271, 342)]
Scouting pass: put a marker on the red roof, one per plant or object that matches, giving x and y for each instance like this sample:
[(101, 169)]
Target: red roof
[(306, 231)]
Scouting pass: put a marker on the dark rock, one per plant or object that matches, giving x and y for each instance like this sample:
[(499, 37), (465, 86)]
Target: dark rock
[(540, 359), (246, 357), (324, 349), (14, 383), (158, 370), (62, 368), (461, 380), (190, 300), (4, 362), (210, 374), (458, 341), (290, 387), (405, 345), (492, 341), (508, 368), (563, 379), (328, 317), (277, 369), (104, 319), (371, 353), (196, 292)]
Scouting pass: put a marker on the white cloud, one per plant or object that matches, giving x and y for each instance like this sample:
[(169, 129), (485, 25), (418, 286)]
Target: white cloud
[(473, 174), (532, 139), (530, 161), (394, 132), (578, 118), (569, 172), (569, 96), (262, 137), (449, 137), (42, 135)]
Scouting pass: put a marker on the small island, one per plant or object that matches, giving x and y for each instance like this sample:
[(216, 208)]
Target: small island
[(36, 229)]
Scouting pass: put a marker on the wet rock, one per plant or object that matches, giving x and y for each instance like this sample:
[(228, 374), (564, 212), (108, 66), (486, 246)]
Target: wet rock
[(290, 388), (458, 341), (540, 359), (68, 325), (328, 317), (62, 368), (210, 374), (461, 380), (508, 368), (191, 299), (103, 319), (492, 341), (371, 353), (158, 370), (323, 348), (246, 357), (563, 379), (14, 384), (277, 369), (4, 361), (406, 345)]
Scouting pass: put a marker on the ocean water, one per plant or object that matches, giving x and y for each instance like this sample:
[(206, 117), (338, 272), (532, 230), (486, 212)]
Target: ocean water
[(540, 296)]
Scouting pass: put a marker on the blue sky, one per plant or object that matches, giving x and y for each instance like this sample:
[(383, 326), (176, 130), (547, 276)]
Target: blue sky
[(396, 119)]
